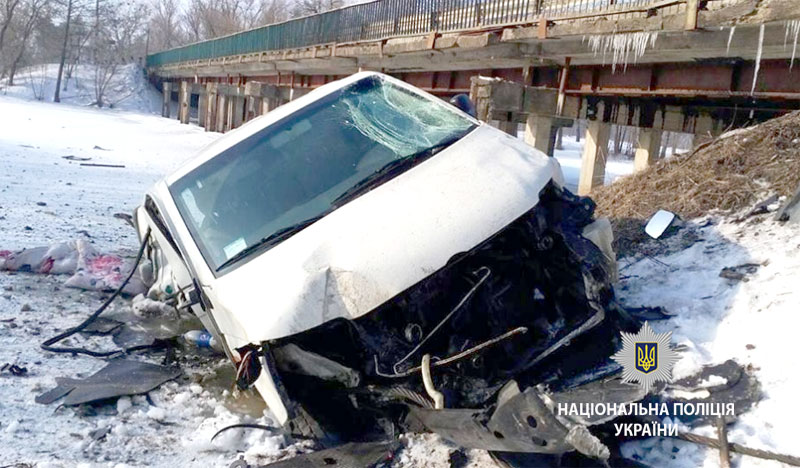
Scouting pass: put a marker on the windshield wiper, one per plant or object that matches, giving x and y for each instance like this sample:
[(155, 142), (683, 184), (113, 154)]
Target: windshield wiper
[(390, 170), (269, 240)]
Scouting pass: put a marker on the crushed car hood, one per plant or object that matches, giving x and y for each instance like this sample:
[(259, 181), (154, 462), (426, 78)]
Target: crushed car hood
[(383, 242)]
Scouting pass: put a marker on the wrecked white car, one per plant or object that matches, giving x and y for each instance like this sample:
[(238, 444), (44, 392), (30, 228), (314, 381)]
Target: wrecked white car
[(369, 255)]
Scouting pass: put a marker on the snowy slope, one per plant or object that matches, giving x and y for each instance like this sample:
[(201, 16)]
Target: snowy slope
[(128, 89)]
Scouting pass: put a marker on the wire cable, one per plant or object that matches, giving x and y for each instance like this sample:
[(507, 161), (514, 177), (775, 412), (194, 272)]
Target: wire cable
[(48, 345)]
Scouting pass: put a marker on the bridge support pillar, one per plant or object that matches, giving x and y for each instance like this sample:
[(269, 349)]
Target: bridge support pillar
[(222, 112), (211, 110), (184, 97), (253, 107), (166, 89), (509, 127), (647, 149), (691, 14), (540, 133), (202, 108), (229, 113), (237, 112), (266, 105), (705, 129), (595, 153)]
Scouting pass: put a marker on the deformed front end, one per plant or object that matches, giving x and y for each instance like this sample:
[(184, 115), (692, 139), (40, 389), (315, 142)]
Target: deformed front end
[(478, 345)]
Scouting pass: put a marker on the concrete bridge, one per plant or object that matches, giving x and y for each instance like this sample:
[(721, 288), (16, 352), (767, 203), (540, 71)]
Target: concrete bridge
[(692, 66)]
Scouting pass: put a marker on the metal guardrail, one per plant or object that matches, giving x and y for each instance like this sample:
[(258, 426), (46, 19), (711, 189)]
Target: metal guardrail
[(383, 19)]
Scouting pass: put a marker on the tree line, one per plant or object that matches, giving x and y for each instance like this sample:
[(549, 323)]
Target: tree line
[(107, 34)]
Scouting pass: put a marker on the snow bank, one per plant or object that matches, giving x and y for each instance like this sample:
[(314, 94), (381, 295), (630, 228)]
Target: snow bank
[(128, 90), (753, 322)]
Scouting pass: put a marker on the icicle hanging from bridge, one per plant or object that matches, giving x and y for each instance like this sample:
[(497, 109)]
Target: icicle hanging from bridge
[(792, 31), (730, 38), (623, 47), (758, 58)]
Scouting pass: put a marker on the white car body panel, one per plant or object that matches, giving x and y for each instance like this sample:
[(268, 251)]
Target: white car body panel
[(380, 244), (374, 247)]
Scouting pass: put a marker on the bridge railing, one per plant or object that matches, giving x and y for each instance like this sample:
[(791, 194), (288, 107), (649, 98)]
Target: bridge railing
[(382, 19)]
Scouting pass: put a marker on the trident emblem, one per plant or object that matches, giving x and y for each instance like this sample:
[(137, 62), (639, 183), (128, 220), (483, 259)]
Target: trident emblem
[(646, 357)]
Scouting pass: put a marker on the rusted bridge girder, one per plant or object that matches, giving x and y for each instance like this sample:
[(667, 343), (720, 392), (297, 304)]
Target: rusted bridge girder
[(661, 65)]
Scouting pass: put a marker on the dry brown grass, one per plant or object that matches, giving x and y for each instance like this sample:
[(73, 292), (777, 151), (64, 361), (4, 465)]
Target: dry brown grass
[(729, 174)]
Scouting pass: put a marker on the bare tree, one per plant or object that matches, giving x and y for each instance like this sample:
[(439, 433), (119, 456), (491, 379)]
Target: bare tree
[(80, 32), (38, 81), (273, 11), (120, 38), (30, 16), (166, 26), (214, 18), (9, 7), (205, 19), (57, 95), (313, 7)]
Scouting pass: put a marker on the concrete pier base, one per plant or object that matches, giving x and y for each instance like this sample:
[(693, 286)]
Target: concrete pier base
[(202, 108), (253, 107), (183, 102), (210, 123), (228, 113), (266, 105), (166, 89), (237, 112), (222, 112), (509, 127), (647, 149), (595, 154), (540, 133)]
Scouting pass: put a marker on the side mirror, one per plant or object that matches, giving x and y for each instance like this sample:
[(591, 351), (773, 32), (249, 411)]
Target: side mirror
[(659, 223), (462, 102)]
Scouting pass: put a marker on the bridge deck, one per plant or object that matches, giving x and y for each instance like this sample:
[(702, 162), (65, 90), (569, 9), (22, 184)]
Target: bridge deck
[(393, 34)]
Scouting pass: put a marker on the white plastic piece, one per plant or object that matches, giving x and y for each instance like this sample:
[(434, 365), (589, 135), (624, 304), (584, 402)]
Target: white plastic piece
[(602, 235), (659, 223)]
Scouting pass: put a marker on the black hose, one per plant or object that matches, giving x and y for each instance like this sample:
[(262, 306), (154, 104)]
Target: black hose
[(246, 426), (48, 345)]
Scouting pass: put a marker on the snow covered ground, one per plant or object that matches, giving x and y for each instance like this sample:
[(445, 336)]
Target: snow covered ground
[(45, 198), (753, 322), (127, 90)]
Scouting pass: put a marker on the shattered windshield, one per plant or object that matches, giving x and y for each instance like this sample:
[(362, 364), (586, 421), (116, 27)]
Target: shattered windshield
[(276, 182)]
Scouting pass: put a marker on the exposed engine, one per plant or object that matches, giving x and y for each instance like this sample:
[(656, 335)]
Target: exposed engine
[(531, 295)]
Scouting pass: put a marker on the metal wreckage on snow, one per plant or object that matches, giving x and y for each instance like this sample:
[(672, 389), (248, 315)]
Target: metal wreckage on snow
[(373, 259)]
